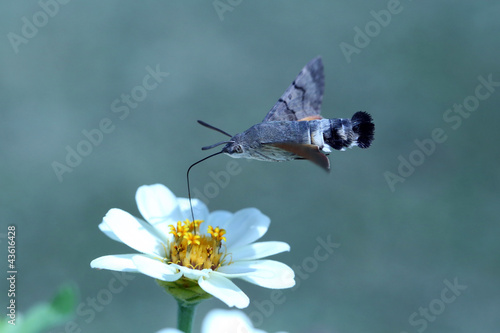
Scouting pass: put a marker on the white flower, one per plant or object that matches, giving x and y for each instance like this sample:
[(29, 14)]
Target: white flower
[(223, 321), (170, 250)]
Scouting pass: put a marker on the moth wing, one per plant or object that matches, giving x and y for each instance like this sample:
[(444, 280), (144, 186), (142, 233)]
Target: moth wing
[(306, 151), (303, 97)]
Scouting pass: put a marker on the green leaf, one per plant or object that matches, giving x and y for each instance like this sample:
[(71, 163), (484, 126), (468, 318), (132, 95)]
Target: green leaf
[(45, 315)]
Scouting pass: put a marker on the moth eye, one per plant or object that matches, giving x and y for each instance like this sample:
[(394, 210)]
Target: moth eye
[(238, 149)]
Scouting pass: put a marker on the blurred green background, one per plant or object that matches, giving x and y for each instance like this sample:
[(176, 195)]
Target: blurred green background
[(228, 62)]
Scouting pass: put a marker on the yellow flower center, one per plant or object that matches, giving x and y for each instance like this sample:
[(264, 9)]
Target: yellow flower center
[(196, 251)]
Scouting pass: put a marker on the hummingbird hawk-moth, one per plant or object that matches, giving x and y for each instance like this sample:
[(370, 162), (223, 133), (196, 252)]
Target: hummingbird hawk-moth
[(294, 129)]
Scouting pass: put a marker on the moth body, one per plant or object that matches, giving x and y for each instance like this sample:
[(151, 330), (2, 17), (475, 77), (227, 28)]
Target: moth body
[(262, 141), (256, 142)]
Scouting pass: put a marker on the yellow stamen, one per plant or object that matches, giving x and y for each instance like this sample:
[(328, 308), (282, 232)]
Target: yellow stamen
[(190, 249), (217, 233), (192, 238)]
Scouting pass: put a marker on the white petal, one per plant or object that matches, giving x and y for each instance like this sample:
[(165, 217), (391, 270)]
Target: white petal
[(117, 262), (246, 226), (219, 218), (158, 205), (264, 273), (190, 273), (226, 321), (108, 232), (132, 232), (200, 210), (164, 238), (155, 268), (225, 290), (258, 250)]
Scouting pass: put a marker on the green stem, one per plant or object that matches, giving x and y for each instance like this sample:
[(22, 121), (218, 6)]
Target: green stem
[(185, 316)]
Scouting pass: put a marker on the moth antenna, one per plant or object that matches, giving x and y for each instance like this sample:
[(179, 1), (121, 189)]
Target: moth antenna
[(189, 187), (215, 145), (214, 128)]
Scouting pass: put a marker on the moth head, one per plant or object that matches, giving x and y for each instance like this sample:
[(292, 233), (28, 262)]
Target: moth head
[(235, 148)]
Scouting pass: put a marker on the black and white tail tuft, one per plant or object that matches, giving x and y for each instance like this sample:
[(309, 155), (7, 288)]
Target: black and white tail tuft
[(362, 125)]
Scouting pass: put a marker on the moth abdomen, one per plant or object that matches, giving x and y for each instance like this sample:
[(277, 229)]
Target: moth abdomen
[(340, 135), (346, 133)]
